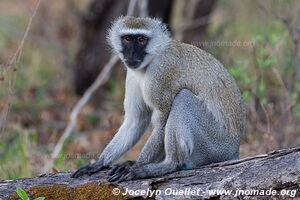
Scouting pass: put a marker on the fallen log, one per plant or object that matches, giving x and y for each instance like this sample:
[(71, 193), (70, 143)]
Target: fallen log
[(269, 176)]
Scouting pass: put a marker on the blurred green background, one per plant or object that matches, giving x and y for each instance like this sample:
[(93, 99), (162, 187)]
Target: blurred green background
[(257, 41)]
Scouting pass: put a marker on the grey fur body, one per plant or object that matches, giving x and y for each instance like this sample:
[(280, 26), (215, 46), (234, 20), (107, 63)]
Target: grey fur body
[(193, 103)]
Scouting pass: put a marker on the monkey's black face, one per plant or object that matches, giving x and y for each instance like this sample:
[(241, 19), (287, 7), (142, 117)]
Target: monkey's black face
[(134, 49)]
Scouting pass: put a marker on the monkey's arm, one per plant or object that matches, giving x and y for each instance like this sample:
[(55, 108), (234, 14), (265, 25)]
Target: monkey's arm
[(137, 118)]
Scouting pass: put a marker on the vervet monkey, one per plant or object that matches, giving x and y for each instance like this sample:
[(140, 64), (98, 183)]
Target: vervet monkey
[(193, 103)]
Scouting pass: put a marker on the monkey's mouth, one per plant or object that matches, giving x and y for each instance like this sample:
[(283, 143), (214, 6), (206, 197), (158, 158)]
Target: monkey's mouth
[(133, 63)]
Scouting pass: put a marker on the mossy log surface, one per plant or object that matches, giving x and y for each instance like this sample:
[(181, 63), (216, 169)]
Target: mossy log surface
[(279, 170)]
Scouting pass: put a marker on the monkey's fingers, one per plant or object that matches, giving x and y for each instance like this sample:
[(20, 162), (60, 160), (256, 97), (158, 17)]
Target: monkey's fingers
[(81, 171), (125, 176), (119, 174), (116, 177), (88, 169), (115, 169), (129, 176), (120, 167), (96, 168)]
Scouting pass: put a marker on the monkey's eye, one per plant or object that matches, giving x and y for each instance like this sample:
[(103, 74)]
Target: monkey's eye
[(128, 38), (142, 39)]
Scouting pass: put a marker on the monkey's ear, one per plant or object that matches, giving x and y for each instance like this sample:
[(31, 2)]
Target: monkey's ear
[(167, 28), (164, 26)]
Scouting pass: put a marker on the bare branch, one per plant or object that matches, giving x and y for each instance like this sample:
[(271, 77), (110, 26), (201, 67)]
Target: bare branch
[(196, 23), (6, 69), (143, 8), (100, 80), (17, 55), (131, 6)]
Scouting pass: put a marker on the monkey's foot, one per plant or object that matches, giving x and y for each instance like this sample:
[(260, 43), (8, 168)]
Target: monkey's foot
[(122, 172), (88, 169)]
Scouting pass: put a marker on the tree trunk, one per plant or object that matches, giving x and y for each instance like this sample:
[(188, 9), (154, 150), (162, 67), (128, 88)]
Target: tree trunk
[(93, 52), (277, 172)]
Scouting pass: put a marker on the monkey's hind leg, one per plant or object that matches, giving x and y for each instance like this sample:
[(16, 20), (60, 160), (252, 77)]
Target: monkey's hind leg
[(200, 139)]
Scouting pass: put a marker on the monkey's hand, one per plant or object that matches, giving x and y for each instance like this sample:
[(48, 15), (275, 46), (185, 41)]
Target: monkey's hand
[(121, 172), (89, 169)]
